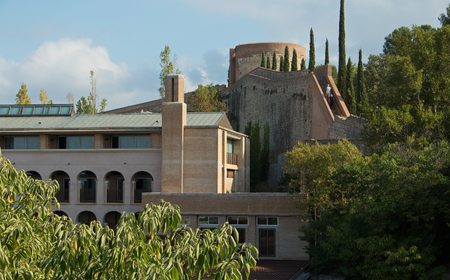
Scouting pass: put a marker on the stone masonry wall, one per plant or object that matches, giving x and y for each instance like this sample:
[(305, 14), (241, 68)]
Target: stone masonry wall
[(285, 105), (349, 128)]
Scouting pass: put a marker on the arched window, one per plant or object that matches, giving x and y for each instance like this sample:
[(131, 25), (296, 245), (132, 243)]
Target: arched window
[(142, 182), (63, 180), (34, 175), (111, 219), (88, 182), (86, 217), (114, 183)]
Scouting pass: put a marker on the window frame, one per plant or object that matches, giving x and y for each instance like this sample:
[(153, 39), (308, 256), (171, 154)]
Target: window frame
[(209, 224), (9, 142), (238, 224), (115, 141), (267, 221)]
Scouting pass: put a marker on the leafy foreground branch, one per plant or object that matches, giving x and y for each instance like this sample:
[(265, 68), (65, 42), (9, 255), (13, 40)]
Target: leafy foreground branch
[(37, 244)]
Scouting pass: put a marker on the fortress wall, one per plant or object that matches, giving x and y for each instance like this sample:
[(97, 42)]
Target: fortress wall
[(285, 105), (349, 127), (277, 75), (244, 58)]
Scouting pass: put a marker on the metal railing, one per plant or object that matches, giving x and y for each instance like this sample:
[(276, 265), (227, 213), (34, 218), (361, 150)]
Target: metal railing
[(87, 195), (114, 196), (231, 158)]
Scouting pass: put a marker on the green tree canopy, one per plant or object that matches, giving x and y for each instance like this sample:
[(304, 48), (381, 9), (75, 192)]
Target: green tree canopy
[(342, 77), (445, 18), (392, 219), (413, 72), (327, 53), (294, 66), (281, 63), (167, 67), (274, 61), (286, 63), (362, 100), (308, 171), (263, 60), (22, 96), (312, 52), (303, 65), (207, 98), (38, 244), (268, 63), (351, 101)]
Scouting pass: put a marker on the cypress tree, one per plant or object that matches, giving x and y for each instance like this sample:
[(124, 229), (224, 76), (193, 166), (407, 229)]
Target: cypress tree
[(327, 53), (312, 52), (294, 66), (286, 63), (342, 67), (263, 60), (274, 61), (351, 103), (303, 66), (268, 62), (362, 99), (281, 63)]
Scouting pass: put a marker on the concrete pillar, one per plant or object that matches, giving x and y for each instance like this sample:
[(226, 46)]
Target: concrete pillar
[(174, 112)]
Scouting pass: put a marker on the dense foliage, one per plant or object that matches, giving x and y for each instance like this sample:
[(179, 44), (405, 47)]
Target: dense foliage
[(312, 52), (207, 98), (391, 221), (22, 95), (37, 244), (259, 156), (167, 67), (408, 87)]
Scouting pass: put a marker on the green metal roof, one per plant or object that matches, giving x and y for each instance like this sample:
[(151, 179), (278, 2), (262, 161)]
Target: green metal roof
[(101, 121)]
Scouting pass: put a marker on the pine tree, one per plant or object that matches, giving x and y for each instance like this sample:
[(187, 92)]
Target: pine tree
[(303, 66), (327, 53), (263, 60), (342, 66), (281, 63), (274, 61), (362, 99), (351, 100), (268, 63), (286, 63), (312, 52), (294, 66), (22, 96)]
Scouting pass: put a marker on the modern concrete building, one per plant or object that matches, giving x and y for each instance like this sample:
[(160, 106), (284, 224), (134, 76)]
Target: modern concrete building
[(110, 163)]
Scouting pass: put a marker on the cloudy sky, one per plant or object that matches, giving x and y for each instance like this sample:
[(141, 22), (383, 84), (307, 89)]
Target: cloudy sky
[(54, 44)]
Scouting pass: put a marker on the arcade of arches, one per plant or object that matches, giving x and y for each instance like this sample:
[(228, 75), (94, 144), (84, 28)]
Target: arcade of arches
[(83, 190)]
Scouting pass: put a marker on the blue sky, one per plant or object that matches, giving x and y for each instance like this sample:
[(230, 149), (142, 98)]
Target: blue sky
[(54, 44)]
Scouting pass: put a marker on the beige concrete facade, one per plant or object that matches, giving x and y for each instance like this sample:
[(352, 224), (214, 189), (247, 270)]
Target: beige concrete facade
[(251, 206)]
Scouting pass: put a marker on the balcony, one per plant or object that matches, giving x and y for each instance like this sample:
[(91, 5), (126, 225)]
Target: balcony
[(231, 158), (87, 195), (114, 196)]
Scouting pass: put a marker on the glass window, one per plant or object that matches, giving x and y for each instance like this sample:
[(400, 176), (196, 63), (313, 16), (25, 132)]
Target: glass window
[(130, 142), (229, 146), (185, 220), (208, 220), (76, 142), (237, 220), (267, 221), (21, 142)]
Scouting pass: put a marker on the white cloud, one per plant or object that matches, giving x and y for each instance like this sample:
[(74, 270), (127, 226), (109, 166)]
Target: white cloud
[(64, 66)]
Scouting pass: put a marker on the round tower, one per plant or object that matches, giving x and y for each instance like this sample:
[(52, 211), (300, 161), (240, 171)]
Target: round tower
[(244, 58)]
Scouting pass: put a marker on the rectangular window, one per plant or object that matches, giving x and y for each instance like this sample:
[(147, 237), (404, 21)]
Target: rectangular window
[(229, 146), (267, 221), (76, 142), (267, 242), (230, 173), (185, 220), (241, 232), (208, 220), (130, 142), (237, 220), (21, 142)]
